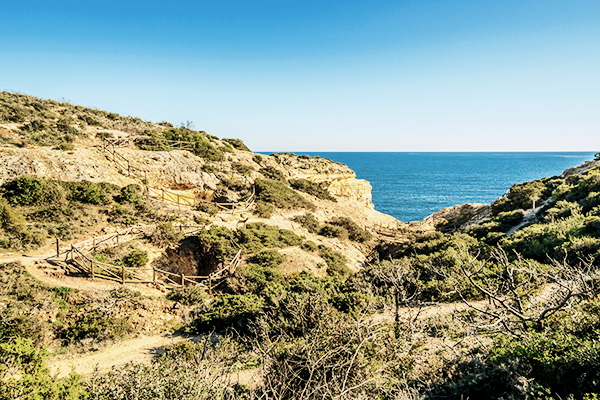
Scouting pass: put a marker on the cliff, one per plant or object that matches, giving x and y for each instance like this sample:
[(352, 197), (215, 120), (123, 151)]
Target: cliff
[(64, 142)]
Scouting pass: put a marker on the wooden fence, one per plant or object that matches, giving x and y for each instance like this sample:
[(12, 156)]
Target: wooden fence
[(389, 234), (79, 255), (164, 195)]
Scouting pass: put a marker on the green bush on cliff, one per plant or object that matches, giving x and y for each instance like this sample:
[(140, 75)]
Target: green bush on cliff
[(238, 144), (308, 221), (270, 172), (280, 195), (24, 375), (311, 188), (268, 258)]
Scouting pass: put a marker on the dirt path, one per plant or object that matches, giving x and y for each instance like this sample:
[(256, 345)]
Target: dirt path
[(142, 349)]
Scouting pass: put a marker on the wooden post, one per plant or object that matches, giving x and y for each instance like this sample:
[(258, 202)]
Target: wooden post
[(182, 280), (57, 248), (210, 285), (163, 194), (92, 269), (71, 252), (117, 237), (123, 275), (153, 275), (94, 245)]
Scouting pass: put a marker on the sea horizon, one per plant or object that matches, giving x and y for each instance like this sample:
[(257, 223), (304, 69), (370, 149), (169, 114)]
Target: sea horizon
[(412, 185)]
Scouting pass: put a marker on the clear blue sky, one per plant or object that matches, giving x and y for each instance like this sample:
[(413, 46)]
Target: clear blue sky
[(372, 75)]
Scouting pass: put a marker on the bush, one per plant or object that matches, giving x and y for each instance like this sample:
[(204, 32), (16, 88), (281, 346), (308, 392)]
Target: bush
[(272, 173), (25, 191), (258, 235), (355, 232), (24, 375), (268, 258), (92, 193), (229, 311), (66, 146), (187, 295), (260, 280), (136, 259), (336, 262), (257, 158), (309, 246), (264, 210), (208, 208), (97, 326), (208, 168), (311, 188), (308, 221), (165, 234), (281, 196), (237, 144), (242, 168), (130, 194), (333, 231)]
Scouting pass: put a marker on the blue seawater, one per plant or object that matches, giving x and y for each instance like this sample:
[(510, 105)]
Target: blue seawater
[(411, 186)]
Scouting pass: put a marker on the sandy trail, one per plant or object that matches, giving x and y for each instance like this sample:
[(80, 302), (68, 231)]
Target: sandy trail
[(142, 349)]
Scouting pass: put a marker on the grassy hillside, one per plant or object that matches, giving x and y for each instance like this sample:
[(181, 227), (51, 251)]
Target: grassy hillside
[(508, 309)]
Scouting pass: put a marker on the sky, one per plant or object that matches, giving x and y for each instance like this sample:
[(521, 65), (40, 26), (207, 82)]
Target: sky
[(282, 75)]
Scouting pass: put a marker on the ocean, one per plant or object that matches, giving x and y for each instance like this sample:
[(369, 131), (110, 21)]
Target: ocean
[(411, 186)]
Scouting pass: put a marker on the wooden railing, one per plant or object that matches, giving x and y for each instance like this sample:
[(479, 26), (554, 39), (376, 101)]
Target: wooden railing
[(79, 255), (164, 195), (390, 234)]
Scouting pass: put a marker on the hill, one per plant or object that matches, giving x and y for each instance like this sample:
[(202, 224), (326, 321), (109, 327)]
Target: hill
[(277, 268)]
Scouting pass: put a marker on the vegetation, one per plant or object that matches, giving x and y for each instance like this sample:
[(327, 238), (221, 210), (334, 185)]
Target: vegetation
[(524, 321), (279, 195), (311, 188), (237, 144)]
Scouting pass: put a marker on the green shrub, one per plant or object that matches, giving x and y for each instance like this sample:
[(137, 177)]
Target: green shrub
[(242, 168), (264, 210), (25, 190), (278, 194), (308, 221), (92, 193), (136, 259), (270, 172), (24, 375), (97, 326), (209, 208), (333, 231), (268, 258), (257, 158), (187, 295), (237, 144), (311, 188), (261, 280), (130, 194), (11, 221), (355, 232), (258, 235), (165, 234), (336, 262), (229, 311), (309, 246), (66, 146), (208, 168)]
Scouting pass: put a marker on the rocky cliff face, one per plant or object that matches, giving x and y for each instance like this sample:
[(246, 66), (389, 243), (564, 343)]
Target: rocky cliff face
[(456, 218), (65, 142)]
